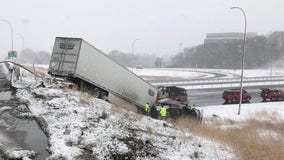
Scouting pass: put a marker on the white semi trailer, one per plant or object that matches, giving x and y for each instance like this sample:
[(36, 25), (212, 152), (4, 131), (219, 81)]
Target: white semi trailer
[(77, 60)]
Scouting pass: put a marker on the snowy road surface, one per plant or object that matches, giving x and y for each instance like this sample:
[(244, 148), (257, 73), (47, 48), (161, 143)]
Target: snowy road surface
[(20, 135)]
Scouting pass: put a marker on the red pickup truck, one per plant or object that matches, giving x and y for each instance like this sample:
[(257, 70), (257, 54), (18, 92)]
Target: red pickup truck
[(233, 96), (271, 94)]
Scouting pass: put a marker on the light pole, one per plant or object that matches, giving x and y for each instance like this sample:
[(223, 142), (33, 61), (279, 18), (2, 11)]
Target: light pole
[(133, 43), (243, 59), (11, 27)]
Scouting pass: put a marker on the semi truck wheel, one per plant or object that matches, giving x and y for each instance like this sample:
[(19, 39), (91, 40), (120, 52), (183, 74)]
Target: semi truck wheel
[(97, 92), (104, 96)]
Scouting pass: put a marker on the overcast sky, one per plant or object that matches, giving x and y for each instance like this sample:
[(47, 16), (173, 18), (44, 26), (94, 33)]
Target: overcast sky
[(162, 26)]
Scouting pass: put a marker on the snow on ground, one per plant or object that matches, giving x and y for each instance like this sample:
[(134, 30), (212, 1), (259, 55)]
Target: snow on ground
[(257, 72), (189, 73), (173, 73), (81, 127), (247, 110), (20, 154)]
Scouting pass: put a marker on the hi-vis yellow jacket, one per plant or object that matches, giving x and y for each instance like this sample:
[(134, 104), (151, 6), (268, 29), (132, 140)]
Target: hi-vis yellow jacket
[(163, 111)]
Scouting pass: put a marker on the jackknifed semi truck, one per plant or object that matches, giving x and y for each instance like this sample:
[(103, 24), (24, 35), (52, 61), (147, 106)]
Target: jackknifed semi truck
[(79, 61)]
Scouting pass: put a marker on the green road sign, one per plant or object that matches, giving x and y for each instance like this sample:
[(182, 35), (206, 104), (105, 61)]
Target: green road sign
[(12, 54)]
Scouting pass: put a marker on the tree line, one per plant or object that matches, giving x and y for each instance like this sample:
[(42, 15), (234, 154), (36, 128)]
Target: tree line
[(29, 56), (261, 51), (137, 60)]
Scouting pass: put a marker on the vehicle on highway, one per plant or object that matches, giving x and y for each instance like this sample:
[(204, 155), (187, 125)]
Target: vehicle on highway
[(139, 67), (233, 96), (271, 94)]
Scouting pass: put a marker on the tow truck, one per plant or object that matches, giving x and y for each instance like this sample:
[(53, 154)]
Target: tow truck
[(271, 94)]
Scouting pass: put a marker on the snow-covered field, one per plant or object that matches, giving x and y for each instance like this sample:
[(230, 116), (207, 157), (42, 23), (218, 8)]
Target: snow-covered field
[(188, 73), (247, 110), (82, 127)]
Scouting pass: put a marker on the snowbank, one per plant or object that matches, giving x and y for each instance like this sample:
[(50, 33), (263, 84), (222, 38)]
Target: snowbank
[(247, 110), (187, 73)]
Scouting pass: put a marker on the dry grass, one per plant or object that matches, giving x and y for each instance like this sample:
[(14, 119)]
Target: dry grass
[(149, 130), (38, 70), (84, 98), (252, 139), (130, 115), (136, 117), (117, 109)]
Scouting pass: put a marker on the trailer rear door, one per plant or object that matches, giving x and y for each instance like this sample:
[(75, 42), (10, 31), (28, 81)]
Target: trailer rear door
[(64, 56)]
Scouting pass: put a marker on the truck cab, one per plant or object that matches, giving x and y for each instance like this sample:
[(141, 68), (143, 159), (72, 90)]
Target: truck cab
[(173, 93)]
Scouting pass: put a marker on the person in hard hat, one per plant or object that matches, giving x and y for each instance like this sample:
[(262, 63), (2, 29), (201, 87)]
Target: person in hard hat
[(146, 108), (163, 112)]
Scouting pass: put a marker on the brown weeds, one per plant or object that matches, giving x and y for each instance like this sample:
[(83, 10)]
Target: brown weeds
[(84, 98), (252, 139), (149, 130)]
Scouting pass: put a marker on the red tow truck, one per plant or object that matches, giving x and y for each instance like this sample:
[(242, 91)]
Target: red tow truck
[(233, 96), (271, 94)]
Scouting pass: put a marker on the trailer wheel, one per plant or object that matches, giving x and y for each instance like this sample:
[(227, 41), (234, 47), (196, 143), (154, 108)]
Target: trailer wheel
[(97, 92), (104, 96)]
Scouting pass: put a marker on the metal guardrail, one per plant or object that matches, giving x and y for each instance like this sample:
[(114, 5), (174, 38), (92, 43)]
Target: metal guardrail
[(219, 80), (233, 85), (224, 82)]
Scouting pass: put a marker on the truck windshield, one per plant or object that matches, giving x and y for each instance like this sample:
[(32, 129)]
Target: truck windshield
[(178, 92)]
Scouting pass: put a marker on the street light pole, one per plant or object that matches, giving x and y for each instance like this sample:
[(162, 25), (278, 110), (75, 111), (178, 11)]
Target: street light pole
[(243, 59), (133, 43), (11, 27)]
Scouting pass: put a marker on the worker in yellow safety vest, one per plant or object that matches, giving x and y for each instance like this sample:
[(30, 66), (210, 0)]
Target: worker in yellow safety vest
[(193, 107), (163, 112), (147, 107)]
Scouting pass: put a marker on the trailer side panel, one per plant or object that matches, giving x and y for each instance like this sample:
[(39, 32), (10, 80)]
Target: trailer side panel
[(97, 67)]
